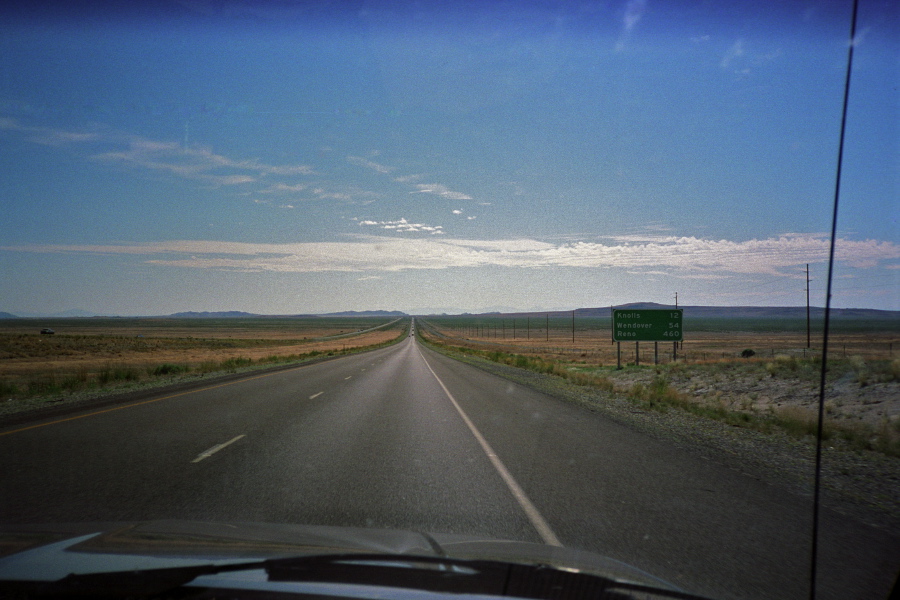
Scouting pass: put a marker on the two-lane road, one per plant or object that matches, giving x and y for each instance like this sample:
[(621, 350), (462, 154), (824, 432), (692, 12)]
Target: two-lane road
[(368, 440), (406, 438)]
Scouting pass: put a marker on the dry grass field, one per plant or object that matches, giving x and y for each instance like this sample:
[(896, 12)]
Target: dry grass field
[(84, 354), (712, 342)]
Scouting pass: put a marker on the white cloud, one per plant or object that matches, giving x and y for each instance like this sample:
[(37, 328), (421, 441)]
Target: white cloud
[(407, 178), (333, 195), (634, 10), (405, 226), (363, 162), (230, 179), (679, 256), (441, 190), (192, 162), (195, 162), (456, 212), (740, 61), (49, 136), (283, 188), (287, 170), (10, 124), (861, 36), (734, 51)]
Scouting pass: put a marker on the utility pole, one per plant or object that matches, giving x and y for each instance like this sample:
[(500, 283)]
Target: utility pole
[(807, 306), (675, 349), (573, 326), (548, 327)]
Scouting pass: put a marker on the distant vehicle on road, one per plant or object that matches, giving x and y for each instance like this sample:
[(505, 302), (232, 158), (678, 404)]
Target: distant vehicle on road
[(47, 330)]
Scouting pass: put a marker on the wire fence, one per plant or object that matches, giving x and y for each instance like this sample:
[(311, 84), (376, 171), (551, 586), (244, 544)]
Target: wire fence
[(593, 344)]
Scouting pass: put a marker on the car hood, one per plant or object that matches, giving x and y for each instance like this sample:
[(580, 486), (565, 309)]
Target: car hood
[(51, 552)]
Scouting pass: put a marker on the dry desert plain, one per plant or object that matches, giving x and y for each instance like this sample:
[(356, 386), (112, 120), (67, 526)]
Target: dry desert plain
[(84, 355)]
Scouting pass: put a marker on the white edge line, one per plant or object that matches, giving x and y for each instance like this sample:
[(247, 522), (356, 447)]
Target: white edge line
[(316, 395), (543, 528), (215, 449)]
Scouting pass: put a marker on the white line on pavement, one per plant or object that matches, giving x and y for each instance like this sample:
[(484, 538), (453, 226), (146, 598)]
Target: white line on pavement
[(215, 449), (316, 395), (543, 528)]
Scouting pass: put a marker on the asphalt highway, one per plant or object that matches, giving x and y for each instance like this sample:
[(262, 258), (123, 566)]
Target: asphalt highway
[(406, 438)]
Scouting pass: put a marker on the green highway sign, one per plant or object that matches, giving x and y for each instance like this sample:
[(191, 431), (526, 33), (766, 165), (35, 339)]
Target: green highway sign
[(647, 325)]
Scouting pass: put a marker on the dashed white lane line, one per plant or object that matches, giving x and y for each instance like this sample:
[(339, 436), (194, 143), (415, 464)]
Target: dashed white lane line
[(316, 395), (348, 377), (214, 449)]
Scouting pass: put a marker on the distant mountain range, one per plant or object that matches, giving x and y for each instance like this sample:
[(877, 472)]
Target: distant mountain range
[(75, 312), (737, 312), (238, 314), (707, 312), (228, 314), (367, 313)]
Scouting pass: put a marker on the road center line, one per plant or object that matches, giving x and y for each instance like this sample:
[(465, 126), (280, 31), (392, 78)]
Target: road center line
[(531, 511), (215, 449), (316, 395)]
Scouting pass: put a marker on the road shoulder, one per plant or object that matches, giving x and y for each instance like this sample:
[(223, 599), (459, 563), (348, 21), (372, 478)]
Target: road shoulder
[(865, 486)]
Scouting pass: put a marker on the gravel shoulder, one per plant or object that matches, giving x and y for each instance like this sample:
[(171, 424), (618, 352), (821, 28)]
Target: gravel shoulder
[(861, 485)]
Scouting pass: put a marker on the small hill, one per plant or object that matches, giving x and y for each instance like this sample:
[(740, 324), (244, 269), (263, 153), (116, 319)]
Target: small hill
[(6, 315), (229, 314), (367, 313)]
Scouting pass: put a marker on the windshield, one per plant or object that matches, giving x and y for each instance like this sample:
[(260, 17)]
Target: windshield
[(546, 272)]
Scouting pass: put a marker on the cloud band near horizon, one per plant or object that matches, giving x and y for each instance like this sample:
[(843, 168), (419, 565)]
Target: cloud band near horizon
[(689, 256)]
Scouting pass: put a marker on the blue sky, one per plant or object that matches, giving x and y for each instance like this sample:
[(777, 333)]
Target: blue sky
[(294, 157)]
